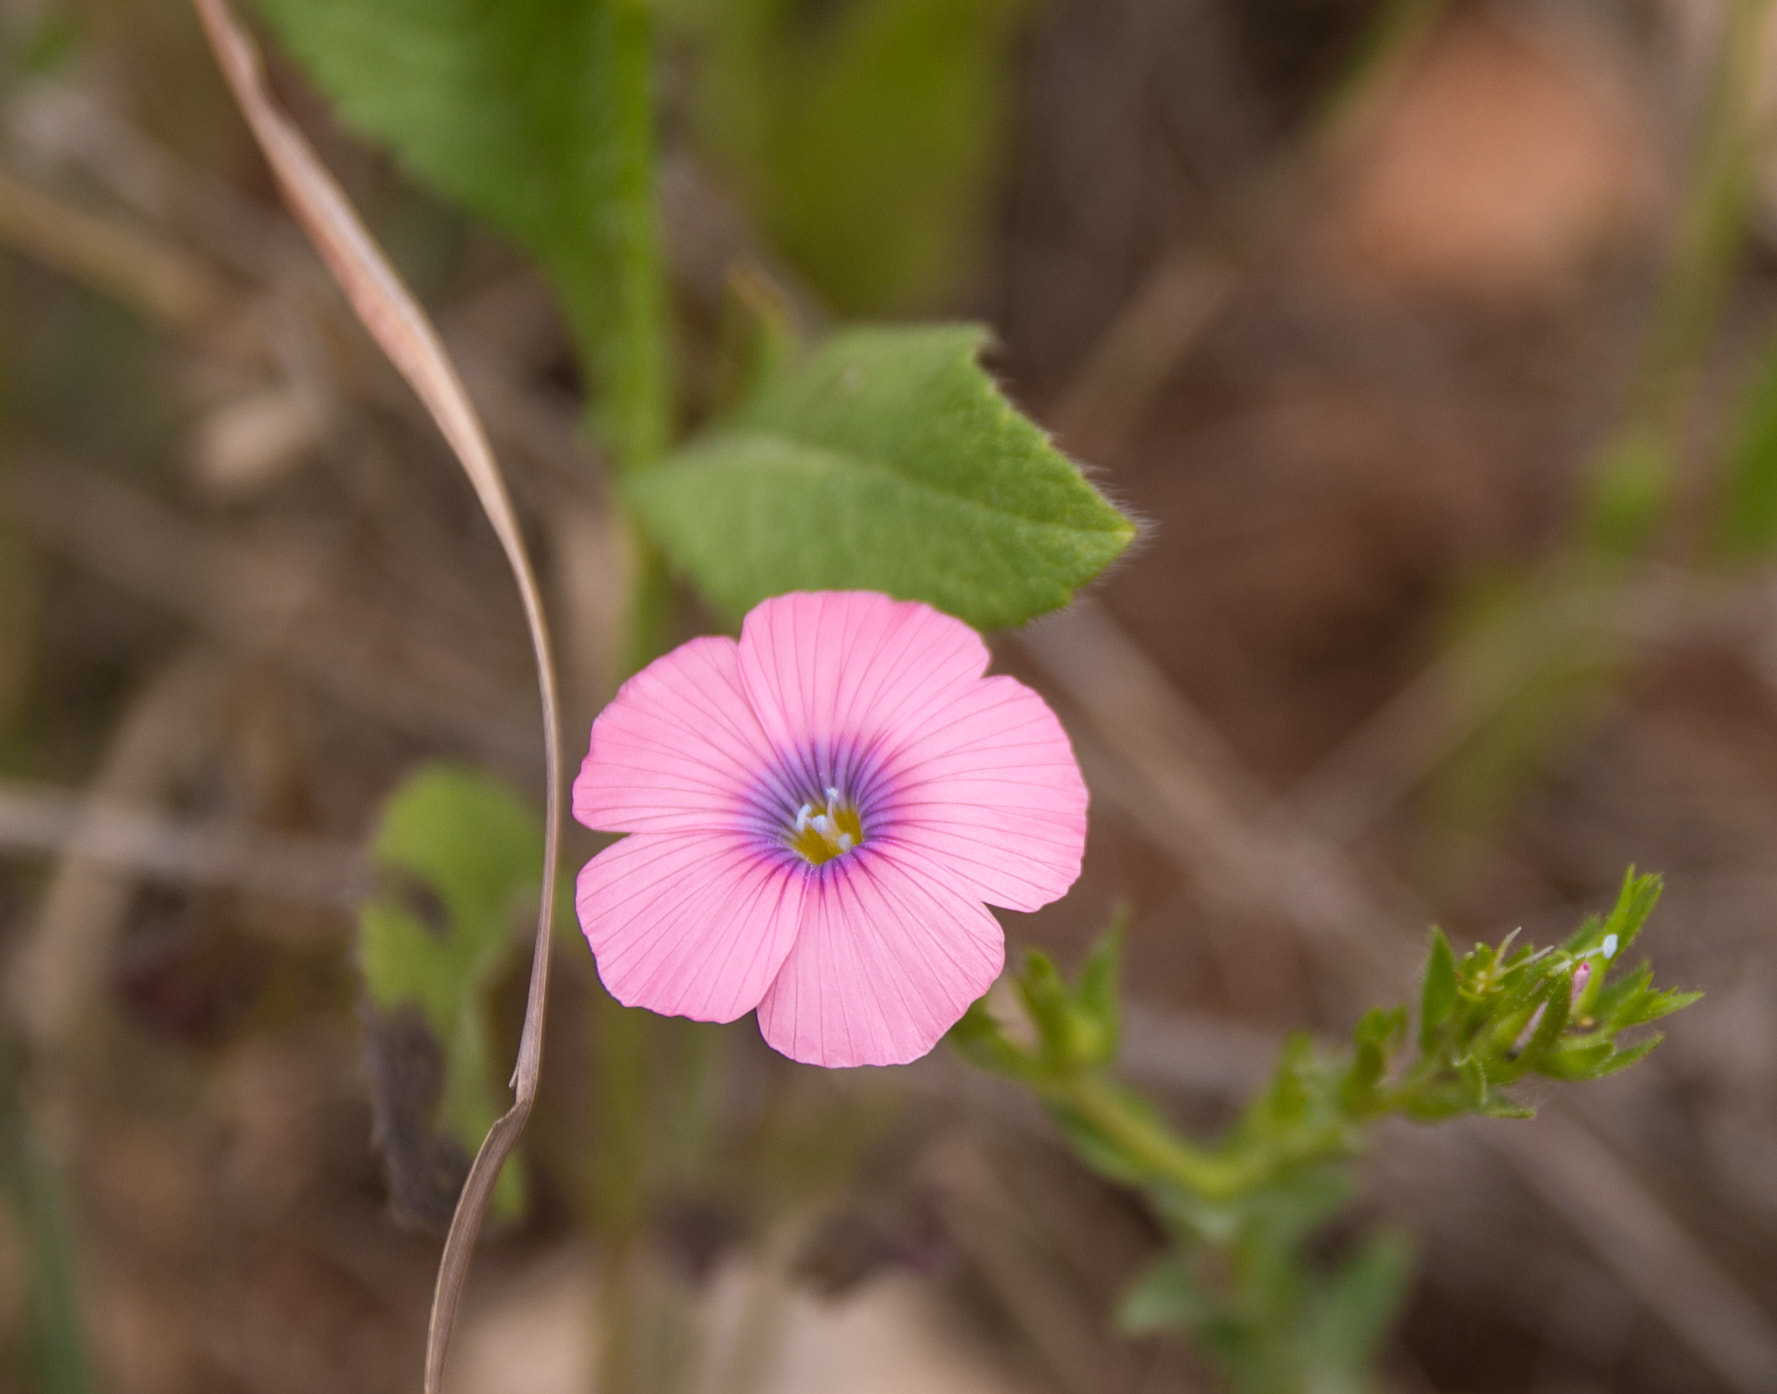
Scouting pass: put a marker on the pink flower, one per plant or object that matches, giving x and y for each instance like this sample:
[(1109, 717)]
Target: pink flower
[(816, 815)]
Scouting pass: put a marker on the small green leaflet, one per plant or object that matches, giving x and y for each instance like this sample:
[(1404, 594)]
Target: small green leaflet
[(460, 856), (888, 462)]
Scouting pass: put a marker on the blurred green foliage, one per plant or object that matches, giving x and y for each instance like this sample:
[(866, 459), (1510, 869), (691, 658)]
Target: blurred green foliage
[(889, 461), (461, 856), (1240, 1213), (1746, 521), (864, 135), (58, 1348), (523, 111)]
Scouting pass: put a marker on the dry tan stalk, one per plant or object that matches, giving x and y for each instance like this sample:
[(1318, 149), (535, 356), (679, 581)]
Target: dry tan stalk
[(396, 321), (161, 281), (286, 604), (139, 840), (1170, 770), (1581, 1177)]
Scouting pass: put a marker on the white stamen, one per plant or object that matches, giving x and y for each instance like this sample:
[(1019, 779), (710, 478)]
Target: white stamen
[(832, 796), (821, 823), (1609, 946), (845, 843), (802, 817)]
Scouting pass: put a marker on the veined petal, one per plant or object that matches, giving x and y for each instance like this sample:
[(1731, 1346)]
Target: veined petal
[(678, 748), (823, 664), (988, 795), (886, 961), (687, 924)]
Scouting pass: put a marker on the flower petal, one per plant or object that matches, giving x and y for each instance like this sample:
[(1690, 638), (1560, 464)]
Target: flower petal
[(989, 796), (886, 962), (823, 664), (678, 748), (689, 924)]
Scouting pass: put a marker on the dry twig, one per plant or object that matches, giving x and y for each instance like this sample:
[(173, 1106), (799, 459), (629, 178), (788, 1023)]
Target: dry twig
[(400, 326)]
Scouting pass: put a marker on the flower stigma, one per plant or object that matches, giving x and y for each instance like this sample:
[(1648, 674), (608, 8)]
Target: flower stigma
[(826, 829)]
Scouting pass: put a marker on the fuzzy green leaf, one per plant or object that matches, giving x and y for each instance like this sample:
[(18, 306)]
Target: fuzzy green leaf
[(1662, 1004), (1622, 1059), (888, 462), (1635, 902)]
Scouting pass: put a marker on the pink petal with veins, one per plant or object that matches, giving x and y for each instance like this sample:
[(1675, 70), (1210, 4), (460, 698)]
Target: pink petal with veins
[(688, 925), (990, 794), (886, 961), (820, 664), (677, 748)]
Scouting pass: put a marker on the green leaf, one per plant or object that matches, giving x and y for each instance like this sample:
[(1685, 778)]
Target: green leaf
[(1357, 1309), (1585, 1058), (1661, 1004), (520, 111), (864, 136), (1622, 1059), (979, 1039), (889, 462), (1373, 1040), (1635, 902), (1098, 1019), (1617, 1000), (1437, 998), (1164, 1298), (1044, 994), (1477, 1087), (1557, 1005), (461, 856)]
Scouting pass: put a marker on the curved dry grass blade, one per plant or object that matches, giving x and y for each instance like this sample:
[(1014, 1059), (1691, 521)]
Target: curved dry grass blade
[(398, 324)]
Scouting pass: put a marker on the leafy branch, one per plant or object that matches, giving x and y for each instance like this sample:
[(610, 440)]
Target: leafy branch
[(1238, 1211)]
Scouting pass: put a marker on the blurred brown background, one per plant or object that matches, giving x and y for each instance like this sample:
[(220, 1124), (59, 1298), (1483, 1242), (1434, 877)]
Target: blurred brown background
[(1351, 351)]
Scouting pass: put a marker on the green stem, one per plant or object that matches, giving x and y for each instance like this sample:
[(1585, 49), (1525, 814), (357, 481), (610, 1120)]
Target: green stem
[(621, 325), (1634, 478), (620, 318), (57, 1331), (1116, 1115), (648, 616)]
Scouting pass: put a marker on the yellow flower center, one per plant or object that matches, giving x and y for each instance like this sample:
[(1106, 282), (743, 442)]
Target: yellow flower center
[(823, 831)]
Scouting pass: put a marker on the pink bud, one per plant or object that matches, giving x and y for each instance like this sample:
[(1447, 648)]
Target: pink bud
[(1581, 976)]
